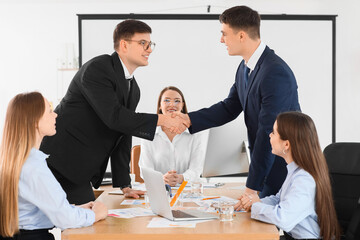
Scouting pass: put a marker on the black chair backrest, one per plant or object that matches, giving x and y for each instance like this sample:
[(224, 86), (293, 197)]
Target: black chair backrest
[(343, 160), (353, 231)]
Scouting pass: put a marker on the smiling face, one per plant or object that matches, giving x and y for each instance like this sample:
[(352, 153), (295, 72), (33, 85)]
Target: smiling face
[(232, 39), (171, 101), (132, 51), (47, 122), (277, 144)]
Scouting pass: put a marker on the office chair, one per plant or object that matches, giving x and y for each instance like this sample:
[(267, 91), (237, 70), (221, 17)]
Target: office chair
[(343, 160), (134, 166), (353, 231)]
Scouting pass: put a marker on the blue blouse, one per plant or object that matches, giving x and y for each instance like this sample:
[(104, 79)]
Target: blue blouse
[(42, 201), (293, 207)]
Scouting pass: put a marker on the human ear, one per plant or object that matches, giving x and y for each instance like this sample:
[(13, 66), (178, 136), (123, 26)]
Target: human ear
[(241, 35), (287, 145), (122, 45)]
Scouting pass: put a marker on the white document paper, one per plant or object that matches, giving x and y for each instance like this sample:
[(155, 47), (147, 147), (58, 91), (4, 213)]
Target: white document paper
[(133, 202), (130, 212)]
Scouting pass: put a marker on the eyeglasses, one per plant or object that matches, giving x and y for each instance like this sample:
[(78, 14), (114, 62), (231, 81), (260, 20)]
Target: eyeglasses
[(175, 102), (144, 43)]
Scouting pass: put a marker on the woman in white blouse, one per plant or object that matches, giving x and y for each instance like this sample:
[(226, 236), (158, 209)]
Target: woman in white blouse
[(178, 156)]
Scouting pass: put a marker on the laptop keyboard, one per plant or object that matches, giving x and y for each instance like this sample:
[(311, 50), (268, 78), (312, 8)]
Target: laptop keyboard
[(181, 214)]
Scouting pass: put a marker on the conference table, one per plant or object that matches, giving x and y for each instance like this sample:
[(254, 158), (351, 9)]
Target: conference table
[(242, 227)]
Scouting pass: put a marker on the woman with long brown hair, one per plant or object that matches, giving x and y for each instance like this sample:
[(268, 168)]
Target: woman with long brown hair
[(31, 200), (178, 156), (304, 206)]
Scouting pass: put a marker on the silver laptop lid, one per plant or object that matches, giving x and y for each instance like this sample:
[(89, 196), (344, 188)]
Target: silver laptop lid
[(155, 187), (158, 198)]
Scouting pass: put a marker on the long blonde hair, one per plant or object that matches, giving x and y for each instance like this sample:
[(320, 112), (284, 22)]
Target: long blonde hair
[(299, 129), (19, 136)]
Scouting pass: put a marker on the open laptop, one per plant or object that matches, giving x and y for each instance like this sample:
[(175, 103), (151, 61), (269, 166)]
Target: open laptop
[(159, 203)]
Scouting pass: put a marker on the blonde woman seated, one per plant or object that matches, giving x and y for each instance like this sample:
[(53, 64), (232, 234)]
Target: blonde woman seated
[(31, 200), (304, 206), (179, 157)]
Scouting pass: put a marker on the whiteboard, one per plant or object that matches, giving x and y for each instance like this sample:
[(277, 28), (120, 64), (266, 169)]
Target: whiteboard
[(189, 55)]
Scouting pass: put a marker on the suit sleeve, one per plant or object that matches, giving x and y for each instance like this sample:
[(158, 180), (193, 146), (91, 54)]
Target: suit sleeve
[(276, 91), (120, 162), (218, 114), (97, 84)]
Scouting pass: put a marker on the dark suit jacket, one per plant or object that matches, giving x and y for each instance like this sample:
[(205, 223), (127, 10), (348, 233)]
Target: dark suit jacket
[(96, 120), (272, 89)]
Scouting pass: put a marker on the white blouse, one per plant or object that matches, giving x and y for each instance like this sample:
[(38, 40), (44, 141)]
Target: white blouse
[(185, 154)]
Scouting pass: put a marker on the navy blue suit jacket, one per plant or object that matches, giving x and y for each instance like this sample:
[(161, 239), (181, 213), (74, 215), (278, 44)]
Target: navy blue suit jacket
[(272, 89)]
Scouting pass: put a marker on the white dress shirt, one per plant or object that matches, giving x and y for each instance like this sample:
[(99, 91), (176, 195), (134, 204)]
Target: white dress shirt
[(42, 201), (255, 57), (126, 73), (293, 207), (185, 154)]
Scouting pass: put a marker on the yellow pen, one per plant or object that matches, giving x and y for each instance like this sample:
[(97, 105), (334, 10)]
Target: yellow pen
[(178, 192), (210, 198)]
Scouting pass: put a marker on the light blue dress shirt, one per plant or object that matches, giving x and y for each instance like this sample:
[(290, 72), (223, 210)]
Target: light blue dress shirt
[(293, 207), (42, 201)]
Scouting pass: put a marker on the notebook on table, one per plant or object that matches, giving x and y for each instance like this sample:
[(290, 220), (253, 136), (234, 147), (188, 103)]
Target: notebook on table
[(159, 203)]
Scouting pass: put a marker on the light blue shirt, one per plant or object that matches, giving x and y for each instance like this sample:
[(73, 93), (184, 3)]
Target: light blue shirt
[(293, 207), (42, 201)]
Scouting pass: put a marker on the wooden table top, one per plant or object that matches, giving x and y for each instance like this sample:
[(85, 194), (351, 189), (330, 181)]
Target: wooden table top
[(242, 227)]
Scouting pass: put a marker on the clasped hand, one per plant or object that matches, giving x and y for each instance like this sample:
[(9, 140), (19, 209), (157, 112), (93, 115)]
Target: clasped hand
[(177, 122), (246, 201), (172, 178)]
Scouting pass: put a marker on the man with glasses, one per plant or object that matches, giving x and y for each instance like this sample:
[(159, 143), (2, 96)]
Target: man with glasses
[(96, 118)]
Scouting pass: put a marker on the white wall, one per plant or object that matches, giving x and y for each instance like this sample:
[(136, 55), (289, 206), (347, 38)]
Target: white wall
[(33, 36)]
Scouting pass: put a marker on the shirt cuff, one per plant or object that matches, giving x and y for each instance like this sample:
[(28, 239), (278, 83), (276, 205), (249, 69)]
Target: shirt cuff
[(125, 186), (255, 208), (90, 220)]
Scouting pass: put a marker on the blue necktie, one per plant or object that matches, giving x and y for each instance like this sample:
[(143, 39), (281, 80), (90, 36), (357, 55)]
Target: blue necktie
[(246, 75)]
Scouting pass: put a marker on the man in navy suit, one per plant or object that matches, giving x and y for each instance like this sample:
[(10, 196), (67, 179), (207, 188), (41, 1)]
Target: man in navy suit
[(264, 86)]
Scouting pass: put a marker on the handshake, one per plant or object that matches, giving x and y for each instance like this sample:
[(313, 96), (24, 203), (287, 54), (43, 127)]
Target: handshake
[(175, 123)]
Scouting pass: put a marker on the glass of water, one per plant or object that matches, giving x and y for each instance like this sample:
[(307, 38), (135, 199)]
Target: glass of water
[(146, 201), (226, 210), (197, 188)]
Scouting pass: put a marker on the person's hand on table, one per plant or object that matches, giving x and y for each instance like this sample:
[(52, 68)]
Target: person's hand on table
[(100, 211), (131, 193), (170, 178), (246, 200), (88, 205)]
